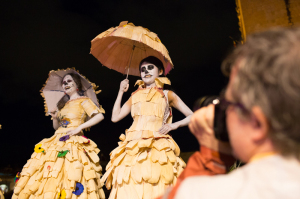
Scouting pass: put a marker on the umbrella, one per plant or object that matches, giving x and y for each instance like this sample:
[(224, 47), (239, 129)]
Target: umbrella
[(124, 47), (52, 90)]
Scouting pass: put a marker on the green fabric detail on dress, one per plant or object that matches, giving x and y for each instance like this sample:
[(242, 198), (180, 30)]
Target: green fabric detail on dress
[(62, 153)]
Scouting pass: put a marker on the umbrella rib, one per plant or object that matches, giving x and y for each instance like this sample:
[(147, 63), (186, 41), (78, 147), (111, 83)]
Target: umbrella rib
[(88, 88), (131, 45), (57, 74), (114, 47)]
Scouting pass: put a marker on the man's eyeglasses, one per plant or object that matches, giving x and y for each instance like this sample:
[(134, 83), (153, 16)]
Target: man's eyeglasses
[(225, 103)]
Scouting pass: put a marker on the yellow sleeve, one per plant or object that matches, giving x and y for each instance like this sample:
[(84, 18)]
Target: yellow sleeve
[(90, 108)]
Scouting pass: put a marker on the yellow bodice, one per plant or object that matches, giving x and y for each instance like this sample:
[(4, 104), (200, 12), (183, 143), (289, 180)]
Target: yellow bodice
[(75, 112), (148, 110)]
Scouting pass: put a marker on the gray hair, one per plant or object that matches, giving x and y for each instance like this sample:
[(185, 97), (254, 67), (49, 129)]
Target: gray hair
[(269, 77)]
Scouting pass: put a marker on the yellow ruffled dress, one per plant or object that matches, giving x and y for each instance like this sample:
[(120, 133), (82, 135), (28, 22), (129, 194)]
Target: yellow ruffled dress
[(1, 195), (47, 176), (146, 162)]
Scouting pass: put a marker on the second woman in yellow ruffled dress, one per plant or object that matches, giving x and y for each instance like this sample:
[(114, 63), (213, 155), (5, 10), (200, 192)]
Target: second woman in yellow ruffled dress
[(65, 166), (147, 161)]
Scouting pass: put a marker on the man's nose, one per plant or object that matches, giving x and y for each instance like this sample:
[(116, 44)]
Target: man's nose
[(146, 72)]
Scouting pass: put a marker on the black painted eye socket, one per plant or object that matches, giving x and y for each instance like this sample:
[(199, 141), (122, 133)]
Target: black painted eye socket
[(150, 67), (69, 80), (143, 69)]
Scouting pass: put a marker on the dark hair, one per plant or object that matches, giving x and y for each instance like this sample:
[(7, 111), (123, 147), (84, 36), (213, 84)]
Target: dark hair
[(77, 79), (159, 65), (156, 62)]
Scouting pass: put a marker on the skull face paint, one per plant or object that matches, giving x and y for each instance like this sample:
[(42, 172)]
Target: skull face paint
[(68, 85), (149, 72)]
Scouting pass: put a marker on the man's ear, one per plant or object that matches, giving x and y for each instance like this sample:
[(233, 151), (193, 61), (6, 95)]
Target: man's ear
[(259, 123)]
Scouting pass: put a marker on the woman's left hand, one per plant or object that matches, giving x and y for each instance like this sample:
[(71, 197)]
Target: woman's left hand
[(165, 129), (74, 131)]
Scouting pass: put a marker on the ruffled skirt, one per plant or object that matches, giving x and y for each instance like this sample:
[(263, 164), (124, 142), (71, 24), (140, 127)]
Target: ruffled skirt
[(143, 168), (62, 169)]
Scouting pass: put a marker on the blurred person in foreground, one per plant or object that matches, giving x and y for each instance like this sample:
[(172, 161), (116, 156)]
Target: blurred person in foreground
[(263, 123), (1, 194)]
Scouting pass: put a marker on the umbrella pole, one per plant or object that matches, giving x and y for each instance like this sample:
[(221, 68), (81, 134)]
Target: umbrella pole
[(133, 47)]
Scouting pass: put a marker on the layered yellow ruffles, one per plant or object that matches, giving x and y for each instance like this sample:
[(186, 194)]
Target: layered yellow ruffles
[(45, 175), (75, 112), (145, 163)]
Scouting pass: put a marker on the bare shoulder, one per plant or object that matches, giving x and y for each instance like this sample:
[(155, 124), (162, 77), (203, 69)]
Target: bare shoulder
[(172, 97), (129, 100)]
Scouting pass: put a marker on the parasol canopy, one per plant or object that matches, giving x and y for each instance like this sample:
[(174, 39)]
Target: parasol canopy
[(126, 45), (53, 91)]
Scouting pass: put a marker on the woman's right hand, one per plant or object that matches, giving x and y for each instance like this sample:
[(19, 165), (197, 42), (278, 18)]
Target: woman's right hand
[(53, 113), (124, 85)]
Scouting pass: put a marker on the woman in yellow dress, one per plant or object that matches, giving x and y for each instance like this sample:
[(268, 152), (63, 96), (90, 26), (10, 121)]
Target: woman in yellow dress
[(65, 166), (147, 161)]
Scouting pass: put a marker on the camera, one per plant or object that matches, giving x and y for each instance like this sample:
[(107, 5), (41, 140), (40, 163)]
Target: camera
[(220, 127)]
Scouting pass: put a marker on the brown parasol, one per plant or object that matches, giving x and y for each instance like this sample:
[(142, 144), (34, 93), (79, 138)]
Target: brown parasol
[(124, 47), (52, 90)]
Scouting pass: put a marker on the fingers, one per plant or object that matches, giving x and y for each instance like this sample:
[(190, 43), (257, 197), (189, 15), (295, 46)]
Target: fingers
[(191, 127), (70, 133), (124, 85), (54, 115), (126, 88), (210, 114), (202, 120), (125, 82), (165, 129), (197, 119), (53, 111)]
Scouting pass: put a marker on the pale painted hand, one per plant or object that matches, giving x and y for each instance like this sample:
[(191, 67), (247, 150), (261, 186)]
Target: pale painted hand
[(124, 85), (165, 129), (74, 131), (201, 126), (53, 113)]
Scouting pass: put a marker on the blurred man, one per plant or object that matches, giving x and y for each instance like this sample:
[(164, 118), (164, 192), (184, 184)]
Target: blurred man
[(262, 103), (2, 188)]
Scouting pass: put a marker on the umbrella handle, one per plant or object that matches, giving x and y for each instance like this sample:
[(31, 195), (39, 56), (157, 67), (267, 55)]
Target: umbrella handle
[(133, 47)]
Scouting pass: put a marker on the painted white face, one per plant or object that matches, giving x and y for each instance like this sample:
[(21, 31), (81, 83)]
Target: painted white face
[(149, 72), (68, 85)]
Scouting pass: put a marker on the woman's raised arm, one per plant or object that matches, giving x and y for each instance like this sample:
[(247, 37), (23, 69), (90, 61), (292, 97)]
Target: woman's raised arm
[(119, 113)]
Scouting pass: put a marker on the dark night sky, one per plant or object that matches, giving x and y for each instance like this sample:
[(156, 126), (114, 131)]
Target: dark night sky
[(41, 35)]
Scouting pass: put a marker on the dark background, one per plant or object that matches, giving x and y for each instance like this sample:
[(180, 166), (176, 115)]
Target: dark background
[(37, 36)]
